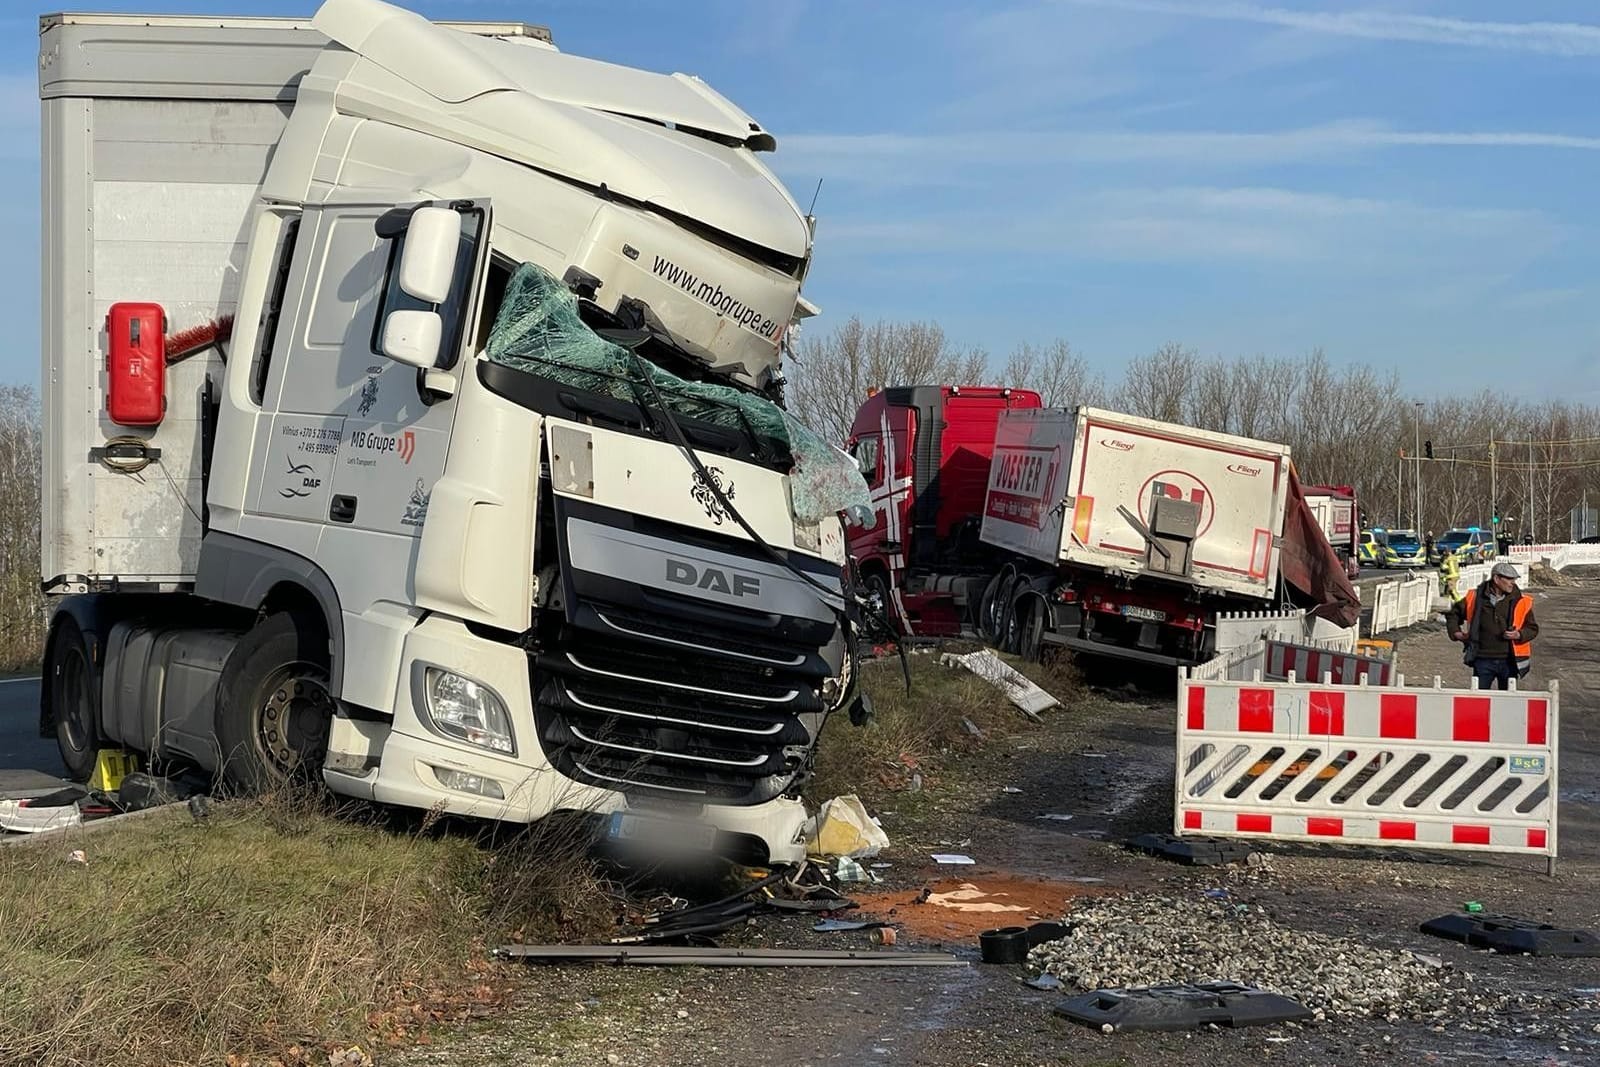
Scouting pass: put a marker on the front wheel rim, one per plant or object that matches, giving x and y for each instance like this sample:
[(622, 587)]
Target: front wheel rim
[(293, 718)]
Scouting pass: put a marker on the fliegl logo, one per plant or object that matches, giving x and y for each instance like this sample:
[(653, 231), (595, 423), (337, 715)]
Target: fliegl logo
[(1120, 446), (1245, 469), (403, 444)]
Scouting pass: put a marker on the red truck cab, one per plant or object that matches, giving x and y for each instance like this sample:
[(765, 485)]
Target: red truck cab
[(925, 451)]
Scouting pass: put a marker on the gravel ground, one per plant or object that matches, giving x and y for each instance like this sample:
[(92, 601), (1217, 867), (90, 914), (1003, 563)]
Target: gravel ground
[(1143, 940), (1107, 761)]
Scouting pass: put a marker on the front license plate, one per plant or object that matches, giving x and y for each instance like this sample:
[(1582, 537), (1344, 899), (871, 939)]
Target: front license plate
[(671, 835), (1133, 611)]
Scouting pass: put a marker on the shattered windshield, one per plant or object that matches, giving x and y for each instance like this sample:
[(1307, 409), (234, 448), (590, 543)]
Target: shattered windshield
[(538, 330)]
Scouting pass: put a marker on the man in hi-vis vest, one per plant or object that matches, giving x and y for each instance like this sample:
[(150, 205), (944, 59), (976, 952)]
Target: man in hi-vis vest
[(1495, 621)]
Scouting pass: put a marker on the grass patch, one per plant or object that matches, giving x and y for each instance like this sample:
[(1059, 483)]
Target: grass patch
[(271, 929), (907, 747)]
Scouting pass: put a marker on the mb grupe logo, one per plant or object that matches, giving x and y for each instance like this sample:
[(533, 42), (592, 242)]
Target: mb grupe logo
[(403, 444)]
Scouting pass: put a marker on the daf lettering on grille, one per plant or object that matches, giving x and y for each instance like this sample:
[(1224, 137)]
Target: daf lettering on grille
[(712, 579)]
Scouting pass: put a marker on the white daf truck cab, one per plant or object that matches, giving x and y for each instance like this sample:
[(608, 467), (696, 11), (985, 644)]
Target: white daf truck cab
[(413, 420)]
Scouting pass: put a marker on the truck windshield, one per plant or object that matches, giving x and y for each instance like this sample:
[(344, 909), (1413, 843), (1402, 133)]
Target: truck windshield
[(538, 330)]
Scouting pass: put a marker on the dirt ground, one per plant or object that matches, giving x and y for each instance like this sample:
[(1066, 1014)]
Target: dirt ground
[(1108, 764)]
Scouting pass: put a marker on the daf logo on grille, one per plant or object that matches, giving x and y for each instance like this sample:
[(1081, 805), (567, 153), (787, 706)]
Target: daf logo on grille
[(712, 580)]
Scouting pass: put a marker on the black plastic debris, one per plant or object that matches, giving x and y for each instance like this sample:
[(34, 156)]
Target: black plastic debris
[(1505, 933), (1182, 1007), (1039, 933), (1193, 851), (139, 791), (1008, 944)]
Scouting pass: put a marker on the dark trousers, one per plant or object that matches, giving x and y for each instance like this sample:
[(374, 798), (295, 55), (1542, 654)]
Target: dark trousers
[(1493, 673)]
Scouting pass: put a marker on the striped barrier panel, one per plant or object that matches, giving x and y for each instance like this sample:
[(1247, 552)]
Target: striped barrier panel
[(1309, 663), (1417, 768)]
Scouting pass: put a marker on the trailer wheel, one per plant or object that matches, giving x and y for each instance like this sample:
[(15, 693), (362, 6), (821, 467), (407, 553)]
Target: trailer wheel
[(74, 699), (1026, 637), (986, 621), (274, 708)]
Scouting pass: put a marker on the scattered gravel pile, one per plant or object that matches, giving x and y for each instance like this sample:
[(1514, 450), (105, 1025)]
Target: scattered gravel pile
[(1141, 941)]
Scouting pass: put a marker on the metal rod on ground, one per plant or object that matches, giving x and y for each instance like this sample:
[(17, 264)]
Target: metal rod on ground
[(724, 957)]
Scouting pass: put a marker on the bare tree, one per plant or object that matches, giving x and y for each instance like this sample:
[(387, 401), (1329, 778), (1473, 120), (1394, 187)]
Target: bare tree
[(1060, 376), (21, 607), (831, 376), (1157, 386)]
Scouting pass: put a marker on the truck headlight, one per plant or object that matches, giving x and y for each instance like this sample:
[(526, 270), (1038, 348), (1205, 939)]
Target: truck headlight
[(462, 708)]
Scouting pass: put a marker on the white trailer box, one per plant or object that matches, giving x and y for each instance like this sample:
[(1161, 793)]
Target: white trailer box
[(1337, 517), (156, 135), (1095, 488)]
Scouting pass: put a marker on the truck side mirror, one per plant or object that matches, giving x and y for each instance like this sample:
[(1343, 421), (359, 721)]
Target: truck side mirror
[(428, 258), (413, 337)]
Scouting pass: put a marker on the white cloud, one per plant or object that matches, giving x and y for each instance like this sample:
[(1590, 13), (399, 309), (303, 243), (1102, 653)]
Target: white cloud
[(1547, 38), (899, 159), (1316, 235)]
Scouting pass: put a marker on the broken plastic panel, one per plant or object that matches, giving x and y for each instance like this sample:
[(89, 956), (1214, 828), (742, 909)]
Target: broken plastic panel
[(538, 331)]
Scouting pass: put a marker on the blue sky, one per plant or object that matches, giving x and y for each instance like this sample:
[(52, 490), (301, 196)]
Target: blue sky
[(1407, 184)]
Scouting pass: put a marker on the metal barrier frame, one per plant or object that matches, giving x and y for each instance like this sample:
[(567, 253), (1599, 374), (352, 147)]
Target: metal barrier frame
[(1352, 729)]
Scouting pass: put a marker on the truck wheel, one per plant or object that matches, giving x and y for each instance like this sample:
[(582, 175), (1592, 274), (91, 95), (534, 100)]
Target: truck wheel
[(878, 586), (1026, 637), (274, 709), (985, 620), (74, 699)]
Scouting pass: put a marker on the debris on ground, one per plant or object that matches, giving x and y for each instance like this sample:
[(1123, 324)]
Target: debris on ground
[(1038, 898), (664, 956), (1541, 575), (1028, 698), (1142, 940), (1193, 851), (953, 859), (849, 872), (842, 827), (972, 899), (1005, 945), (1513, 936), (1183, 1007), (836, 926)]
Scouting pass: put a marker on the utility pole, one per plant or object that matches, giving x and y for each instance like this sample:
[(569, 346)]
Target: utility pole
[(1399, 486), (1416, 458), (1494, 499), (1530, 488)]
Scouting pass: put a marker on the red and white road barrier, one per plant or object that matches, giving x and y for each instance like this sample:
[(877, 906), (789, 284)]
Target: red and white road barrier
[(1369, 765), (1287, 661)]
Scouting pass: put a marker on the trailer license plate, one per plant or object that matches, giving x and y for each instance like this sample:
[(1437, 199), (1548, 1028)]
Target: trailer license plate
[(671, 835), (1133, 611)]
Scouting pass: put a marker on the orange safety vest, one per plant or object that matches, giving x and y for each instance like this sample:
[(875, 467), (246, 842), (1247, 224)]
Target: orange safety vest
[(1519, 615)]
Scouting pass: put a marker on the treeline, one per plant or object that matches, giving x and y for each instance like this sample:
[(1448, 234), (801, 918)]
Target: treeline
[(21, 606), (1346, 425)]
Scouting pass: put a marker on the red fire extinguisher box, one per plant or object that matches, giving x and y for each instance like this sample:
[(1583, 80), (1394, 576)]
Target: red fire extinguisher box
[(137, 364)]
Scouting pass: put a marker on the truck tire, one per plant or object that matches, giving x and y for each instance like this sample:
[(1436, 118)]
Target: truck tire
[(74, 699), (878, 586), (274, 709), (1028, 617)]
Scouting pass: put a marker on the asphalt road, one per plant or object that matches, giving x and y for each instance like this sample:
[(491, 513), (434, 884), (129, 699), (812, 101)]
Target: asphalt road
[(29, 764)]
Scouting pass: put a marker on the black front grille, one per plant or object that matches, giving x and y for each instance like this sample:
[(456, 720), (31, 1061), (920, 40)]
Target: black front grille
[(697, 715)]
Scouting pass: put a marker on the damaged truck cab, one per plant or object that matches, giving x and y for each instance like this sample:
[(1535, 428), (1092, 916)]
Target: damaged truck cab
[(480, 501)]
